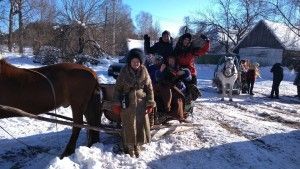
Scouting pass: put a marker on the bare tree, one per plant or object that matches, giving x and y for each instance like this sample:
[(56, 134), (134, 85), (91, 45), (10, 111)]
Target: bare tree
[(288, 11), (118, 26), (144, 23), (43, 10), (21, 9), (232, 20), (10, 27), (40, 29), (187, 26), (155, 30), (80, 15), (2, 10)]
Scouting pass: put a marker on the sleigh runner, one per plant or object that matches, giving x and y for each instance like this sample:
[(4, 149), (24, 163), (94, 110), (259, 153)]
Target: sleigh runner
[(53, 86)]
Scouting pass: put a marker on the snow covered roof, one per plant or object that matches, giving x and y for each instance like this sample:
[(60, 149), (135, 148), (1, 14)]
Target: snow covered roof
[(134, 43), (288, 39)]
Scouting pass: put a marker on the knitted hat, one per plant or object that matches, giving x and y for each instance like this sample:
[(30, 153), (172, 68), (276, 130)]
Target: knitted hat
[(165, 33), (135, 53)]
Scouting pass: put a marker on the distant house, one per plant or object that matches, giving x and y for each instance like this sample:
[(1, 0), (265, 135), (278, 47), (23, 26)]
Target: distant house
[(268, 43)]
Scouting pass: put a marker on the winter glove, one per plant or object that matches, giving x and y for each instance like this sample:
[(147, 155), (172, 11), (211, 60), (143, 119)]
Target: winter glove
[(116, 109), (147, 38), (149, 109)]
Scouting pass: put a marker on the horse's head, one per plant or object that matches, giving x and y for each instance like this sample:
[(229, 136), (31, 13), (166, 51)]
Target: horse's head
[(229, 66), (229, 62)]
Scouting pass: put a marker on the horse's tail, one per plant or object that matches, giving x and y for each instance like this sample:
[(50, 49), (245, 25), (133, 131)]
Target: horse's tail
[(93, 114)]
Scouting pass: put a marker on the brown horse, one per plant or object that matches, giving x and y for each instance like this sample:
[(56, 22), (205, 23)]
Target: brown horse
[(47, 88)]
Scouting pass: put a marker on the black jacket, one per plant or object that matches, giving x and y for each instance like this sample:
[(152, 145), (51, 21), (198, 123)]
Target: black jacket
[(161, 48), (277, 71)]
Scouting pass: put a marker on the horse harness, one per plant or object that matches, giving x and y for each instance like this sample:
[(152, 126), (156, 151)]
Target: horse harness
[(232, 72)]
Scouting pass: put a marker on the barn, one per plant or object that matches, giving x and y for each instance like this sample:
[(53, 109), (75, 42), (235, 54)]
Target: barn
[(268, 43)]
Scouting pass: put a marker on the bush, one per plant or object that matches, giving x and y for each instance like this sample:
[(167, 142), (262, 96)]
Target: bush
[(47, 55), (209, 59), (83, 59)]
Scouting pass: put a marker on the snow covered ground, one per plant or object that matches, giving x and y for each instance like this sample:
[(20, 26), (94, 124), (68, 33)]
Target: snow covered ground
[(251, 132)]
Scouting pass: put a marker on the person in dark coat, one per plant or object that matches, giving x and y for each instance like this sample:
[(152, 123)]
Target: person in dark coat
[(171, 88), (163, 47), (297, 80), (277, 71)]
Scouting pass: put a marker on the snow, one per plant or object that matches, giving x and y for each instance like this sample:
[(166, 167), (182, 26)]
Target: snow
[(284, 35), (251, 132), (134, 43)]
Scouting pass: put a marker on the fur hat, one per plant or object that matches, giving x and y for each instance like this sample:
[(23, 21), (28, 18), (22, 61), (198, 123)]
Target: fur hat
[(187, 35), (135, 53)]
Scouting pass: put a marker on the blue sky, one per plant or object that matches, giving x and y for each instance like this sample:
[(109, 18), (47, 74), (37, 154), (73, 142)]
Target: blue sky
[(169, 13)]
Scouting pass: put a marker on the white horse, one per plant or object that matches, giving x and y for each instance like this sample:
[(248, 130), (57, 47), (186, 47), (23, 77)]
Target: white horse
[(228, 76)]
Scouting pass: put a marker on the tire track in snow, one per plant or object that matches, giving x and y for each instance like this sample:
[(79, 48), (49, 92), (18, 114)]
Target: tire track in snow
[(266, 116), (236, 131)]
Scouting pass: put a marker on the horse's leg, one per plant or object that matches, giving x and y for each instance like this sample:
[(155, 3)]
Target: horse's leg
[(77, 119), (230, 91), (223, 91), (93, 117)]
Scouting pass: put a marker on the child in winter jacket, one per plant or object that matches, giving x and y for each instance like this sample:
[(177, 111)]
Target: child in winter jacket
[(252, 73)]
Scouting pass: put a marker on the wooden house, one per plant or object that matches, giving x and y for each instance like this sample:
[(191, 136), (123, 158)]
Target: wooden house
[(268, 43)]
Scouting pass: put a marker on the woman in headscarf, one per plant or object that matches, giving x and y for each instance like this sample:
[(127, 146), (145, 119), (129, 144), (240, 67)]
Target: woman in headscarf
[(133, 95)]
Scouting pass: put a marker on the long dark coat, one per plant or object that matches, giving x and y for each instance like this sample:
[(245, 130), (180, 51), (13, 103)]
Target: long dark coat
[(135, 122)]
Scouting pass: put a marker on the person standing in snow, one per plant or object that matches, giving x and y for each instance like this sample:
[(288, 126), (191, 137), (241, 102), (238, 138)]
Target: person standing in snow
[(297, 80), (244, 69), (164, 47), (252, 74), (277, 71), (134, 99)]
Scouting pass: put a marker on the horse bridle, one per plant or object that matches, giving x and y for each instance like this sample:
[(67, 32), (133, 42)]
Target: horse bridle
[(233, 72)]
